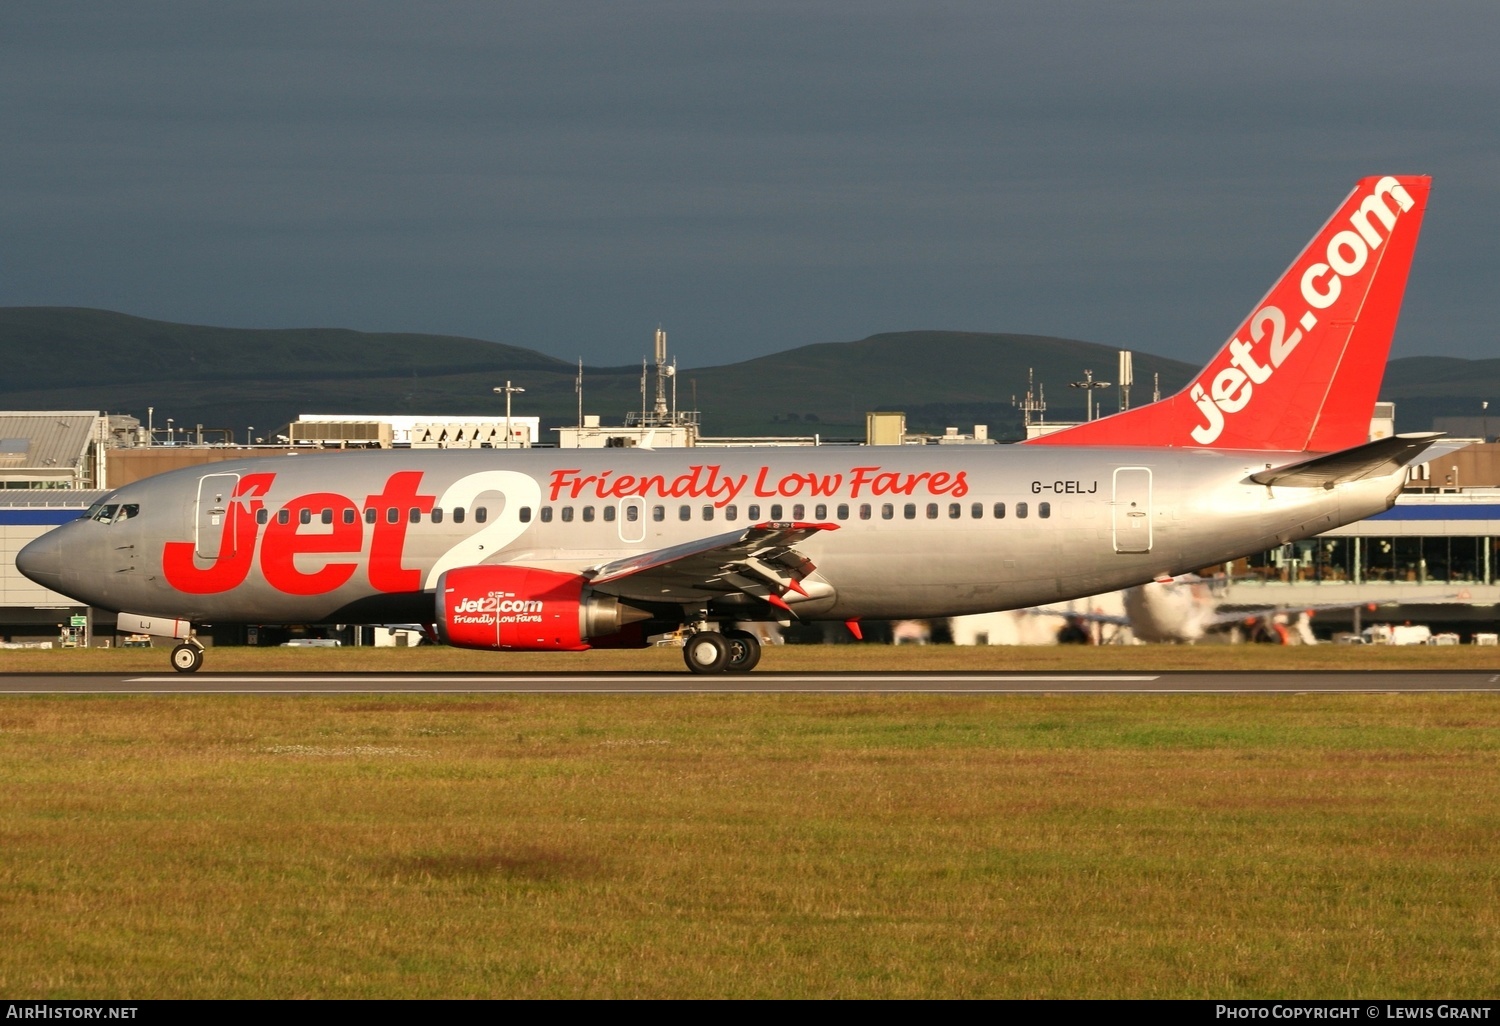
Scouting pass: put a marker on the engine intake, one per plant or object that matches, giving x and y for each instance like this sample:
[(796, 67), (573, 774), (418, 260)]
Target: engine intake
[(520, 607)]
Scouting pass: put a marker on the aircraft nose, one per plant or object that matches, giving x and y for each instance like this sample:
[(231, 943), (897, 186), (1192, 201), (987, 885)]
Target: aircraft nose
[(41, 560)]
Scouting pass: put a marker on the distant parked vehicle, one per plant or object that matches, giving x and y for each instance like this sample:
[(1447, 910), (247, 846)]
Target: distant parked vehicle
[(1405, 634)]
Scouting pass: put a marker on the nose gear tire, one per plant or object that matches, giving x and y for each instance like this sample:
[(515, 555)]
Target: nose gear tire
[(187, 658)]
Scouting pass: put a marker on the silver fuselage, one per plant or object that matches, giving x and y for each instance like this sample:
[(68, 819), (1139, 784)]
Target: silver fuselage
[(1114, 518)]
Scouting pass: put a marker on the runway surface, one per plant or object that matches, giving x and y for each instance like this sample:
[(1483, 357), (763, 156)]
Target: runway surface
[(1194, 682)]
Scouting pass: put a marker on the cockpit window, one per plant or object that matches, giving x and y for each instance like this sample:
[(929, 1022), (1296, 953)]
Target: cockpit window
[(128, 510), (105, 514)]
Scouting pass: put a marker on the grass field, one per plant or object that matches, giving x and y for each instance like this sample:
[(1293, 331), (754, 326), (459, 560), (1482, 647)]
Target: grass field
[(730, 845)]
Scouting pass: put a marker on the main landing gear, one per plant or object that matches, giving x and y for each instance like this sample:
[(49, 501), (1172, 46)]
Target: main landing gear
[(188, 656), (721, 652)]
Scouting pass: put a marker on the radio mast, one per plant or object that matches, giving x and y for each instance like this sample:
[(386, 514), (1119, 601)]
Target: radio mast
[(661, 376)]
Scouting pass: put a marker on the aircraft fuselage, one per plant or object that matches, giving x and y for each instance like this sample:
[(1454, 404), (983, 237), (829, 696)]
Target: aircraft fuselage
[(362, 537)]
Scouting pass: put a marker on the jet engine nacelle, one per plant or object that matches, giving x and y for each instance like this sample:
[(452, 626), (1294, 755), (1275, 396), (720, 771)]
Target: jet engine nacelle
[(518, 607)]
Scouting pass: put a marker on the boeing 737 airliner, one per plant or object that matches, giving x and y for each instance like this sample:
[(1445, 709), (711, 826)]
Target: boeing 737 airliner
[(548, 549)]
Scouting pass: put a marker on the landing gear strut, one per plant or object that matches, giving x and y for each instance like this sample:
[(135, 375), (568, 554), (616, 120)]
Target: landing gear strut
[(187, 657)]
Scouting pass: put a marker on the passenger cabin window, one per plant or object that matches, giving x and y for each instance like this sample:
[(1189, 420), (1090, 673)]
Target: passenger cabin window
[(371, 514), (776, 511), (609, 514), (658, 513), (632, 513), (567, 514), (327, 516), (1044, 510), (887, 511), (588, 514), (481, 514), (910, 511), (392, 515), (955, 510), (414, 515), (437, 514), (932, 511), (799, 512), (349, 516), (546, 514), (283, 516), (754, 511), (843, 511), (684, 512), (458, 514), (820, 512), (304, 516), (977, 511), (1020, 511), (731, 512), (524, 514), (999, 511), (263, 515), (708, 512)]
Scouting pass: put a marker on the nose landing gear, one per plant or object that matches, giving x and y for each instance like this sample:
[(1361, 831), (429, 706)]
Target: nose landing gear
[(187, 657)]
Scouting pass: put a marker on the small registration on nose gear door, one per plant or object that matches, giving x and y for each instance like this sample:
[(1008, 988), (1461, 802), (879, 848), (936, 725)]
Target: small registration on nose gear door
[(1131, 512), (212, 519)]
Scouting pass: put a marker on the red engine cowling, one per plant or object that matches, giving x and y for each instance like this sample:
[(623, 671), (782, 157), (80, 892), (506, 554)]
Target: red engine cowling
[(520, 607)]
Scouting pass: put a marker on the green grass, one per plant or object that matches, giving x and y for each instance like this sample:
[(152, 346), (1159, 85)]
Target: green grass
[(750, 846)]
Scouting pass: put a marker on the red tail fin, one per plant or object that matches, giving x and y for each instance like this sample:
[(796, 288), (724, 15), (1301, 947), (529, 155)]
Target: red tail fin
[(1302, 373)]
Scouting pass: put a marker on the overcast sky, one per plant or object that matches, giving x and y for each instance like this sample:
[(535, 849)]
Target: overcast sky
[(565, 176)]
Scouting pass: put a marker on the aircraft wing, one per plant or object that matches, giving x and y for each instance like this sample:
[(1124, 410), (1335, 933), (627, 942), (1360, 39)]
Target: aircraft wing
[(1232, 614), (1226, 615), (760, 560), (1111, 618)]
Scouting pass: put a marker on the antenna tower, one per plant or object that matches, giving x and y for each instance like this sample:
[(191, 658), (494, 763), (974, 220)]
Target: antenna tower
[(1034, 402), (661, 372)]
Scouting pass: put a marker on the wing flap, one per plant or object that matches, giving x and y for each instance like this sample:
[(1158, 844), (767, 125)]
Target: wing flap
[(760, 560)]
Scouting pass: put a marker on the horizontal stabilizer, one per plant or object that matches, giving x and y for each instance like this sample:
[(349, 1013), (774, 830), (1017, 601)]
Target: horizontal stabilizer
[(1373, 459)]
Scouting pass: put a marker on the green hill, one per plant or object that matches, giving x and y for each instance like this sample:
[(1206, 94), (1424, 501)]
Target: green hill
[(64, 358)]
